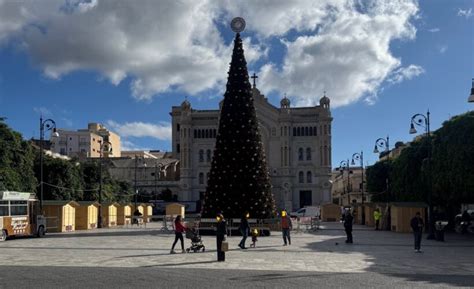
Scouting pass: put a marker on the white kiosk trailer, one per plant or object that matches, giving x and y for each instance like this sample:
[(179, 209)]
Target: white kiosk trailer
[(20, 215)]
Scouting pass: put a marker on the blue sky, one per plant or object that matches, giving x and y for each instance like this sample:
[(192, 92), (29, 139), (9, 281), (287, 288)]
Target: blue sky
[(96, 61)]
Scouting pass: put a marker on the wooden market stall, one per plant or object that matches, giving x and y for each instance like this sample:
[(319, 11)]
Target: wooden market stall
[(109, 214), (63, 213), (330, 213), (86, 215), (175, 209), (124, 214), (147, 212), (402, 213)]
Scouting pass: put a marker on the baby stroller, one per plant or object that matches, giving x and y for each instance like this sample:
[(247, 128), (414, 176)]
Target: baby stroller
[(196, 242)]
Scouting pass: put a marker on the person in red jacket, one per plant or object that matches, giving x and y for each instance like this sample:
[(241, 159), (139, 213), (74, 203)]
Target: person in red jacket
[(179, 229), (286, 227)]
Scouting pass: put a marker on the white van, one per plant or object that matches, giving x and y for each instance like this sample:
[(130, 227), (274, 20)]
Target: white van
[(310, 211)]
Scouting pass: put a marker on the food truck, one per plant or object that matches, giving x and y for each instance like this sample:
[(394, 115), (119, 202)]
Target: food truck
[(20, 215)]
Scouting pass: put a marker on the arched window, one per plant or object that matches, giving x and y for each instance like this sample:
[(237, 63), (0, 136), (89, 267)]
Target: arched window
[(294, 131), (301, 177), (199, 133), (308, 154), (306, 132), (201, 156), (310, 131), (195, 134), (298, 131), (207, 133), (309, 177), (300, 154), (208, 156), (201, 178), (315, 130)]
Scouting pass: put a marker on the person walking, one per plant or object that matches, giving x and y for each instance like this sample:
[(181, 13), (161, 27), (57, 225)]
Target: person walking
[(416, 224), (348, 220), (377, 217), (137, 217), (179, 229), (244, 229), (465, 222), (221, 232), (286, 227), (254, 238)]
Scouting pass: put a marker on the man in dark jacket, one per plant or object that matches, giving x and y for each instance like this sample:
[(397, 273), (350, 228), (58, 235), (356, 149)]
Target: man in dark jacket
[(221, 232), (348, 220), (244, 229), (417, 226), (465, 222)]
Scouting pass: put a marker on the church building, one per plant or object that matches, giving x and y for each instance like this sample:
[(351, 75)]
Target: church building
[(297, 142)]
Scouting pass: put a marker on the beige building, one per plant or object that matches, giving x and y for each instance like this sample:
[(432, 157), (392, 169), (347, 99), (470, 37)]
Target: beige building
[(149, 175), (347, 187), (85, 143), (297, 144)]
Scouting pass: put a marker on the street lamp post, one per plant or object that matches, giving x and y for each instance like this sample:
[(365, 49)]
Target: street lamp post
[(101, 153), (47, 124), (136, 185), (360, 157), (382, 143), (471, 97), (424, 121), (157, 176), (345, 165)]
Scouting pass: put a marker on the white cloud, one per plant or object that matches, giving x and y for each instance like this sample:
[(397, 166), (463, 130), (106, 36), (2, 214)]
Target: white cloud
[(127, 145), (349, 57), (161, 131), (465, 13), (43, 111), (405, 73), (442, 48), (341, 46), (434, 30)]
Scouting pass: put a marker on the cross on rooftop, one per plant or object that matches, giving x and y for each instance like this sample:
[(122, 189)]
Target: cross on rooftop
[(254, 77)]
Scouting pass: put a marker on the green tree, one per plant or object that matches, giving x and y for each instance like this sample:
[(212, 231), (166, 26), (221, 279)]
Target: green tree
[(448, 174), (16, 161), (239, 179)]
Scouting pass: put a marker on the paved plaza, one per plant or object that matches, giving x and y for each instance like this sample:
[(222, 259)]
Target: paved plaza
[(141, 256)]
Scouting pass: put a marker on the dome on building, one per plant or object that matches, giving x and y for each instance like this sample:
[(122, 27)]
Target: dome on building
[(186, 105), (285, 102), (324, 101)]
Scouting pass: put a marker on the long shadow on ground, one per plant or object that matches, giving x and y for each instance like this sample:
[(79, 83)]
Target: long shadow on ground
[(392, 254)]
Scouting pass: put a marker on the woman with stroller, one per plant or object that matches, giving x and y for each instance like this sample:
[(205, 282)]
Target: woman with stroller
[(179, 229)]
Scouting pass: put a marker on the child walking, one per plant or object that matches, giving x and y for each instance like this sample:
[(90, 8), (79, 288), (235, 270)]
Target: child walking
[(254, 238)]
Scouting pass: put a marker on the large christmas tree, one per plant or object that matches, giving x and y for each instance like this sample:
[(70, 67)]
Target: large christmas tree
[(239, 179)]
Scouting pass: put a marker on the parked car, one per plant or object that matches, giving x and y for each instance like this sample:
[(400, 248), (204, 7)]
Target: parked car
[(310, 211)]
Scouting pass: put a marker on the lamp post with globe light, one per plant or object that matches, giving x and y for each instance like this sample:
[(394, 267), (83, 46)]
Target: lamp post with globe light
[(382, 143), (342, 166), (424, 121), (360, 157), (107, 146), (47, 124), (136, 180)]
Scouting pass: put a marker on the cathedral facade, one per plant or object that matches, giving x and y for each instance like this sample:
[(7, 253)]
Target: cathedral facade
[(297, 144)]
